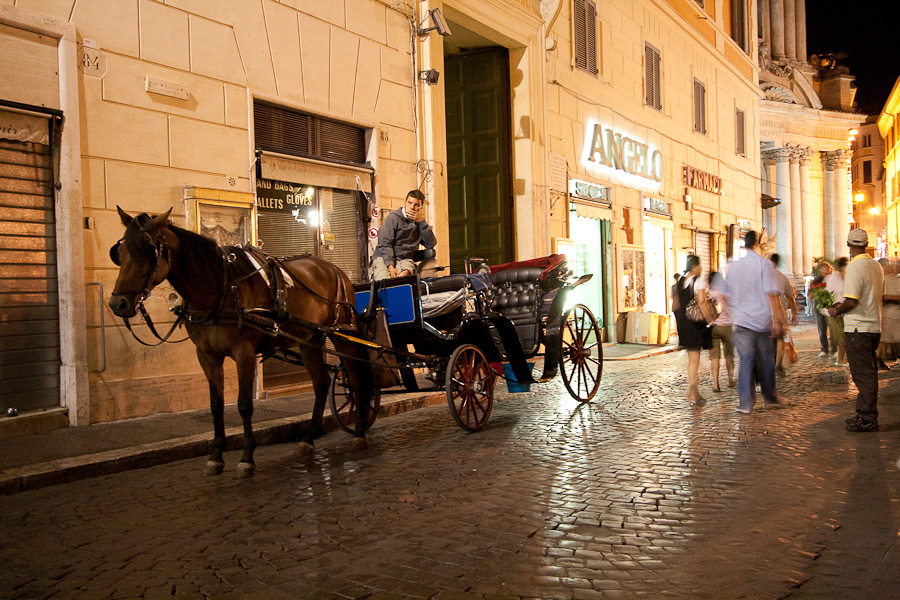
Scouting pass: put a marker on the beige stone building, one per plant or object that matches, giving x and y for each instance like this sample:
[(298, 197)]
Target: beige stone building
[(868, 185), (621, 133), (889, 130)]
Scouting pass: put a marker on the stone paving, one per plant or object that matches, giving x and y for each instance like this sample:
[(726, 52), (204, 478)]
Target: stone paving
[(636, 495)]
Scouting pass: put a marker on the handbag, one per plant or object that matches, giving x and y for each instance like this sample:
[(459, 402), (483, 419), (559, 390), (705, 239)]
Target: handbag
[(692, 310)]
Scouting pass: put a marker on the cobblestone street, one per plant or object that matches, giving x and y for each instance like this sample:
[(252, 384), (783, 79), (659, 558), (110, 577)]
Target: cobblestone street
[(634, 495)]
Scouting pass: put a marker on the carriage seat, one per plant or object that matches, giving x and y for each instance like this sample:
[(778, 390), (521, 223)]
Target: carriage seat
[(517, 296)]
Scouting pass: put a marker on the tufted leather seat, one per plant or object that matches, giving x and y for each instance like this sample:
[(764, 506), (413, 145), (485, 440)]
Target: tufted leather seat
[(517, 296)]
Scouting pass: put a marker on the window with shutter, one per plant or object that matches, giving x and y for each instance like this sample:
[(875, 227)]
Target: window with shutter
[(584, 24), (699, 107), (652, 78), (740, 133), (286, 131), (739, 24)]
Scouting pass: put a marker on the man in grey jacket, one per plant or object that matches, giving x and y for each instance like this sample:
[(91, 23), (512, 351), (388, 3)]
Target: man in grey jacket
[(399, 238)]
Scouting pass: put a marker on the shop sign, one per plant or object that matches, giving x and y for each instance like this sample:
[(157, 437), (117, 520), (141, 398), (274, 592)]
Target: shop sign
[(591, 191), (281, 195), (658, 206), (702, 180), (611, 149)]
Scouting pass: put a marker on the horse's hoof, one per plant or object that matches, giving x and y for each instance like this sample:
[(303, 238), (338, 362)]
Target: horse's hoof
[(304, 449), (213, 467), (359, 443), (244, 470)]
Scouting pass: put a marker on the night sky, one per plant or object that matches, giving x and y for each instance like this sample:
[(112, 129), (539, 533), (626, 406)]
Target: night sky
[(868, 36)]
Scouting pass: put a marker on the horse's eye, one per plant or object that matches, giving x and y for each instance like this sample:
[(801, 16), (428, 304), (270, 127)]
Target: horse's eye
[(114, 254)]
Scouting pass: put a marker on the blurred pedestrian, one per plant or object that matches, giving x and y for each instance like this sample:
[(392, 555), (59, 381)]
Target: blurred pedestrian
[(693, 335), (753, 299), (834, 283), (821, 270), (721, 332), (890, 315), (863, 293), (788, 305)]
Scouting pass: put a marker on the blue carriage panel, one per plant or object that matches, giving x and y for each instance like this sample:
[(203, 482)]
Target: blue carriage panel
[(400, 303)]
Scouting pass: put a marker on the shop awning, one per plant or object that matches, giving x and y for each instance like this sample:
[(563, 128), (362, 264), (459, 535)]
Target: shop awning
[(768, 201), (294, 169), (24, 127), (593, 211)]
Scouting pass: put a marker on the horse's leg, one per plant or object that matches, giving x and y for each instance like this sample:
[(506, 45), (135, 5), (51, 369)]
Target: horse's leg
[(246, 371), (314, 361), (360, 381), (215, 375)]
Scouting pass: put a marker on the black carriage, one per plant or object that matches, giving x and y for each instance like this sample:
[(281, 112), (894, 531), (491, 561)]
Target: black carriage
[(465, 331)]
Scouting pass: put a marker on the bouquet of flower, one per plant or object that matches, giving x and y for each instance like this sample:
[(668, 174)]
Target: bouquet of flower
[(822, 297)]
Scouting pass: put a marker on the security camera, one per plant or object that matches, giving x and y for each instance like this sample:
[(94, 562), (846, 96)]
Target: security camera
[(440, 24)]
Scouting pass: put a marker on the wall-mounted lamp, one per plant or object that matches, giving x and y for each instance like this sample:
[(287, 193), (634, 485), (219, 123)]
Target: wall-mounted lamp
[(430, 76), (439, 23)]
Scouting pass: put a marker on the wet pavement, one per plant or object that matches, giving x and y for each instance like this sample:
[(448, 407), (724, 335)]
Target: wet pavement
[(634, 495)]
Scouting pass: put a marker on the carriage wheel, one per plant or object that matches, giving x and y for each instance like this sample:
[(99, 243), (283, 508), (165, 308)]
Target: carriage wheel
[(342, 401), (580, 353), (470, 387)]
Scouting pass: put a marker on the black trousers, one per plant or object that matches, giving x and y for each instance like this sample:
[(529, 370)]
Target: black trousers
[(861, 354)]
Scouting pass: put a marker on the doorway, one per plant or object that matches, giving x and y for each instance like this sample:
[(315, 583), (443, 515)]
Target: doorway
[(479, 153)]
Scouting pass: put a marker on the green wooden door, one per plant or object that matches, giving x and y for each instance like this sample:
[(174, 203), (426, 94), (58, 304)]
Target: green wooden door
[(478, 154)]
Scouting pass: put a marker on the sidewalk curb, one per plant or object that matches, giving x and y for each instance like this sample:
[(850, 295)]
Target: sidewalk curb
[(277, 431), (645, 354)]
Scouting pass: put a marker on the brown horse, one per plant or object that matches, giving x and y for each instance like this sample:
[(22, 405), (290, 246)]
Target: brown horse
[(217, 286)]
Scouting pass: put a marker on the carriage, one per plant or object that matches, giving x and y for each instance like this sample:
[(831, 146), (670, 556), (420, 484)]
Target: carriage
[(464, 332)]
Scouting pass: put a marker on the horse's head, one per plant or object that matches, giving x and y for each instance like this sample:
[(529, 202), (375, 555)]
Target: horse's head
[(143, 259)]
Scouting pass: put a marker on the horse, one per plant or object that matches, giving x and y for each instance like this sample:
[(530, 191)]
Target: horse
[(222, 288)]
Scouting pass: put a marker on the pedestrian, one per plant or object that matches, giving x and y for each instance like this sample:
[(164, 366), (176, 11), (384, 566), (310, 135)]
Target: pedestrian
[(834, 283), (863, 293), (721, 332), (756, 312), (693, 335), (788, 305), (890, 315), (821, 270)]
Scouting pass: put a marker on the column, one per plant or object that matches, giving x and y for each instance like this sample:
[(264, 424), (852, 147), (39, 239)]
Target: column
[(800, 6), (842, 201), (828, 203), (784, 212), (806, 208), (796, 264), (790, 29), (776, 20), (764, 21), (767, 166)]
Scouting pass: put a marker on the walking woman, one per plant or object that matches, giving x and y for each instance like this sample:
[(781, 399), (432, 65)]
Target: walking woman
[(721, 332), (693, 336)]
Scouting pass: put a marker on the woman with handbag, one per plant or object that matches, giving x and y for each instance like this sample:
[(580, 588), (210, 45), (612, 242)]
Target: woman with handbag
[(693, 314)]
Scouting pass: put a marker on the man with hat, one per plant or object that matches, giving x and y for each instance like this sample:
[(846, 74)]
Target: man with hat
[(863, 295)]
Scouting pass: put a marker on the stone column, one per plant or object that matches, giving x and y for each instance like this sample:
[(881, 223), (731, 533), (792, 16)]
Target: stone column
[(807, 215), (828, 163), (842, 201), (784, 212), (790, 29), (765, 22), (768, 168), (796, 265), (800, 6), (776, 20)]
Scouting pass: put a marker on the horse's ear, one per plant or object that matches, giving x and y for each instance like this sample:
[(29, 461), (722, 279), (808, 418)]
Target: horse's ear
[(126, 218), (160, 220)]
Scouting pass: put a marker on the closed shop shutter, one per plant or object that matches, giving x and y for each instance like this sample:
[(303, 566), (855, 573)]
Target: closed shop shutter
[(29, 300), (344, 224), (704, 252)]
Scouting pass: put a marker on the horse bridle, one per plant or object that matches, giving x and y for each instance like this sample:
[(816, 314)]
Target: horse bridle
[(160, 249)]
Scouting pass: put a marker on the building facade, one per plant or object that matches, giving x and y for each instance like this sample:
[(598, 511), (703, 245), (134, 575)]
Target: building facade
[(868, 185), (806, 115), (623, 134), (889, 130)]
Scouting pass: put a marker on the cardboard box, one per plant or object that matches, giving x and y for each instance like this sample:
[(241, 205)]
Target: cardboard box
[(642, 328), (665, 325)]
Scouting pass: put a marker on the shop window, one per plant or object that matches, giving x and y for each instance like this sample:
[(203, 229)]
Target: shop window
[(226, 216), (584, 23), (699, 107), (740, 133), (652, 78)]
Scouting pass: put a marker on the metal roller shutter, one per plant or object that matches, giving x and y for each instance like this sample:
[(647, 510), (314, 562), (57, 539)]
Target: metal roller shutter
[(29, 300), (704, 252)]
